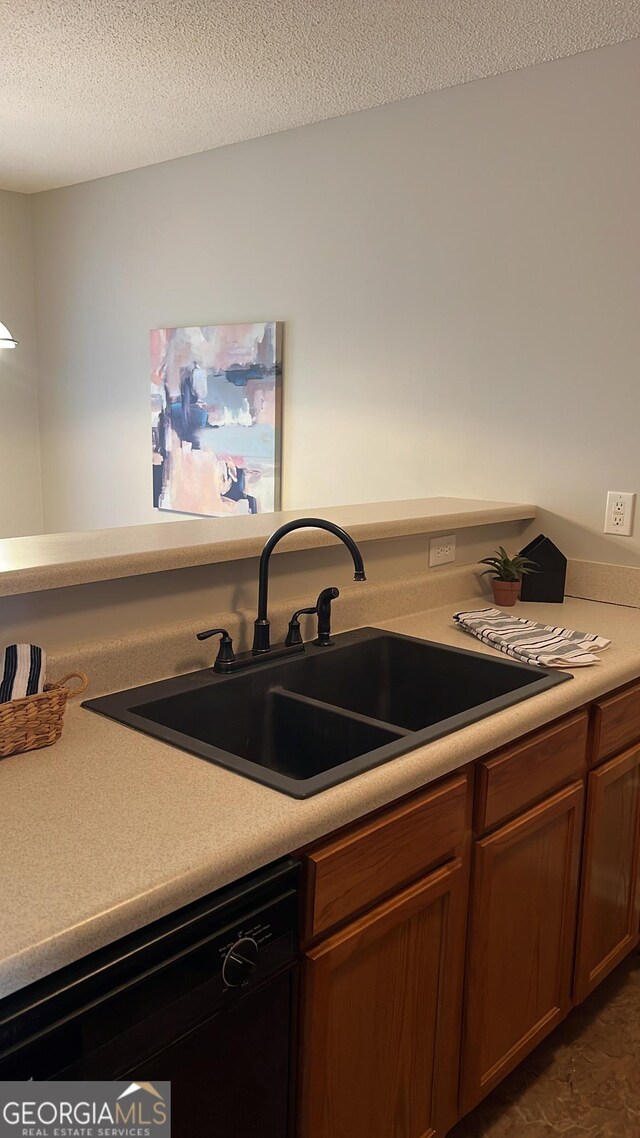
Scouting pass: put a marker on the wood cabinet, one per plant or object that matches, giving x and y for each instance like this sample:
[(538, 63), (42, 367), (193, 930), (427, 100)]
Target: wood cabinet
[(353, 871), (610, 898), (616, 723), (528, 770), (521, 938), (382, 1002), (397, 944)]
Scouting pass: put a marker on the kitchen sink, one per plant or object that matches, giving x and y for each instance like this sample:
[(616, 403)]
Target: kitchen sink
[(278, 730), (303, 724)]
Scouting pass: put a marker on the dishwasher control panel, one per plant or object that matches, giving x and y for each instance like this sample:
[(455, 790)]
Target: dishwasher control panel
[(257, 946)]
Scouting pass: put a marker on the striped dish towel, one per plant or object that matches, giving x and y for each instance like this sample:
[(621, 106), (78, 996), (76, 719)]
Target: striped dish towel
[(22, 671), (543, 644)]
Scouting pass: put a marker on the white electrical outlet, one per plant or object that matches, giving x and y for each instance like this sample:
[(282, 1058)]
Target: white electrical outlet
[(442, 550), (619, 514)]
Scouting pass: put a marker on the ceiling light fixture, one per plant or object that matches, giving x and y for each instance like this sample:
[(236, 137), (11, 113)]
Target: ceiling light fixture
[(6, 339)]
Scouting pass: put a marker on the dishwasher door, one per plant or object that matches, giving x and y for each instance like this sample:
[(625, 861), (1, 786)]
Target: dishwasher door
[(205, 999), (231, 1075)]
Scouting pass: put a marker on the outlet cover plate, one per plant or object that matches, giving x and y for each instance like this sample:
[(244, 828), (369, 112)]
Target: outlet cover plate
[(618, 517), (442, 550), (619, 514)]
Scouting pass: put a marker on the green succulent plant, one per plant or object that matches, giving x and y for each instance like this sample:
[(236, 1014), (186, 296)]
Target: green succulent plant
[(505, 568)]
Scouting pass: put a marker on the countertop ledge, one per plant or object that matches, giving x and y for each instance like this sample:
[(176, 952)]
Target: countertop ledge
[(110, 829), (52, 561)]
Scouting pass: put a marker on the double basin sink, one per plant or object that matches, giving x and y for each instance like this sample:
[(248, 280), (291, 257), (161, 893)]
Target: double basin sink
[(304, 723)]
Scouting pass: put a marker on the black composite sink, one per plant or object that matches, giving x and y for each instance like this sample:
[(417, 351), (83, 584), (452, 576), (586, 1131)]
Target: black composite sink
[(275, 728), (305, 723)]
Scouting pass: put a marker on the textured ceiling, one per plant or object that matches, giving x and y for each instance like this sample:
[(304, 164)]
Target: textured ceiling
[(92, 87)]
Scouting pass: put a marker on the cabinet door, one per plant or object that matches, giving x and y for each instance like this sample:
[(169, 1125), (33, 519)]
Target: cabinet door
[(382, 1002), (521, 937), (608, 926)]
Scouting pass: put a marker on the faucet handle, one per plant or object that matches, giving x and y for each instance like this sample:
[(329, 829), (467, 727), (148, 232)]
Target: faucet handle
[(226, 654), (294, 636)]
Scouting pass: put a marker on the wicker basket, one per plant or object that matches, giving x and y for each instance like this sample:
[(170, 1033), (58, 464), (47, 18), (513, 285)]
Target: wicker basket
[(36, 721)]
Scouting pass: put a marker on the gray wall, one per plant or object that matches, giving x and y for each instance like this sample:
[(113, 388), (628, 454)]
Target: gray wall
[(459, 275), (21, 494)]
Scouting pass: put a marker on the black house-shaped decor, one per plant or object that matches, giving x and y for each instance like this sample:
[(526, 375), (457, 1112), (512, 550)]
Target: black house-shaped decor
[(548, 583)]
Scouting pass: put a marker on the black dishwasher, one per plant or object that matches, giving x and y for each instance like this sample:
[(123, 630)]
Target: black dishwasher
[(205, 998)]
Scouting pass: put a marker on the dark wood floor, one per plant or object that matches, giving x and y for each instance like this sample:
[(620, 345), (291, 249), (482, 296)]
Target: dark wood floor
[(583, 1082)]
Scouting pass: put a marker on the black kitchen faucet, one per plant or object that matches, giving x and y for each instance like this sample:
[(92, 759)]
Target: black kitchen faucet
[(227, 661)]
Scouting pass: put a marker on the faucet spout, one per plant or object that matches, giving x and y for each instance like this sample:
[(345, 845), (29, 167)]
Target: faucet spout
[(261, 635)]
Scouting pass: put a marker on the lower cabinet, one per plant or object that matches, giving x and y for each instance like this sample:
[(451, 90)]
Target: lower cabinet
[(382, 1006), (521, 939), (609, 909), (415, 1010)]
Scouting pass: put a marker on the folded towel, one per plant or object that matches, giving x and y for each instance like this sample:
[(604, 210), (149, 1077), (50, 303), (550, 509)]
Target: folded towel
[(543, 644), (23, 670)]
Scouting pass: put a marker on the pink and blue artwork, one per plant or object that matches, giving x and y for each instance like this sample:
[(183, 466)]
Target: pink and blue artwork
[(215, 418)]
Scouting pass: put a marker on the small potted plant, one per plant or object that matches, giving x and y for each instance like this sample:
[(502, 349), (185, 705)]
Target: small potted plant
[(507, 573)]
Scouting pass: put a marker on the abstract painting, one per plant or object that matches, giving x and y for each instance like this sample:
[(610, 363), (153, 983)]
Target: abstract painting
[(215, 419)]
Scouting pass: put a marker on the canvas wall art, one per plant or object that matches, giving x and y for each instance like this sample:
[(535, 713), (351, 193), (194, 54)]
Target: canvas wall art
[(215, 418)]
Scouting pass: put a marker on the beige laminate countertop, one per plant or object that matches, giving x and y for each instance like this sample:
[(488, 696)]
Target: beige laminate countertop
[(110, 829), (51, 561)]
